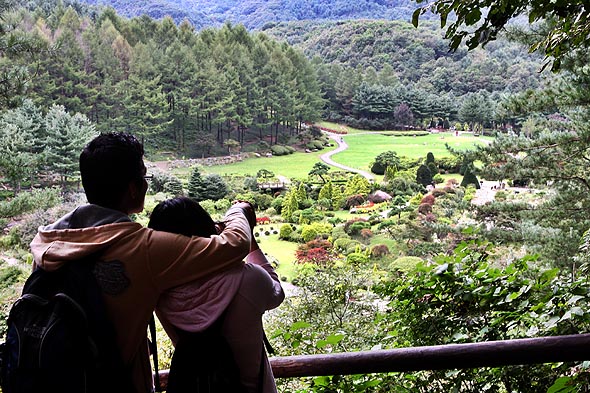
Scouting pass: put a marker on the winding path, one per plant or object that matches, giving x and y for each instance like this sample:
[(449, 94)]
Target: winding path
[(326, 157)]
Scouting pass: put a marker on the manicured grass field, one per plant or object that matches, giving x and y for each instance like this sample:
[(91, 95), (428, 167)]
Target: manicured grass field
[(363, 148), (282, 250)]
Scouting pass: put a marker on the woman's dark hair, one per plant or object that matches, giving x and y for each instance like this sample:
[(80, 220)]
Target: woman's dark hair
[(183, 216), (108, 164)]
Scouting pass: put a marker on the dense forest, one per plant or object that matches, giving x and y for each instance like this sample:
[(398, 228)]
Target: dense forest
[(204, 89), (256, 14)]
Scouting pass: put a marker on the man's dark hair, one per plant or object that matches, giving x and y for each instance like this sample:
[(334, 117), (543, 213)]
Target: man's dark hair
[(108, 164), (183, 216)]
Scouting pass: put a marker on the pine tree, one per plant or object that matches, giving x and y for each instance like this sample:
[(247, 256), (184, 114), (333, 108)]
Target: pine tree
[(301, 192), (357, 185), (290, 205), (214, 188), (470, 178), (195, 186), (66, 137), (423, 175)]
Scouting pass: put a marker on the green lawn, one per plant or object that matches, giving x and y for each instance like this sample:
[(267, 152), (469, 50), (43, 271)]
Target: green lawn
[(282, 250), (296, 165), (363, 148)]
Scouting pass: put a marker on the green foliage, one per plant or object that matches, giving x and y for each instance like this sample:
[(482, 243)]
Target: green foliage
[(424, 176), (566, 32), (384, 161), (28, 201), (357, 258), (289, 206), (319, 169), (470, 179), (357, 185), (311, 231), (280, 150), (285, 231), (195, 186), (465, 298)]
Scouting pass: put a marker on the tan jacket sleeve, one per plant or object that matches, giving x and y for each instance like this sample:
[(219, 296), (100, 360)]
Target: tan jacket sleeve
[(176, 259)]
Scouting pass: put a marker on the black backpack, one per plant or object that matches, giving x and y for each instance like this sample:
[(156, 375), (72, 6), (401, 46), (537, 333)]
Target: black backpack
[(59, 337), (203, 362)]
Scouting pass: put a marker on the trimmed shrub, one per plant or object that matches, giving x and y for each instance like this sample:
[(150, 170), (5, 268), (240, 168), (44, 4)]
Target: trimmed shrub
[(428, 199), (285, 231), (379, 251), (357, 258), (354, 227)]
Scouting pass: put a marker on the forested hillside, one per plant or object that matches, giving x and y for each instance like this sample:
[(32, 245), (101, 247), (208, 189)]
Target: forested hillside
[(418, 56), (177, 90), (203, 89), (255, 14)]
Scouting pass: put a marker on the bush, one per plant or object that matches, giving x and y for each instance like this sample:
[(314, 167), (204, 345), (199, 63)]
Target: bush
[(285, 231), (318, 256), (28, 201), (338, 233), (428, 199), (311, 231), (379, 251), (357, 258), (500, 196), (280, 150), (345, 244), (405, 264), (354, 227)]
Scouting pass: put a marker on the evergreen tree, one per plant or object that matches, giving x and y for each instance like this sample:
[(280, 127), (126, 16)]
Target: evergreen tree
[(383, 161), (173, 186), (470, 178), (326, 192), (301, 192), (357, 185), (423, 175), (290, 205), (319, 169), (196, 186), (214, 188), (22, 143), (429, 157), (66, 137)]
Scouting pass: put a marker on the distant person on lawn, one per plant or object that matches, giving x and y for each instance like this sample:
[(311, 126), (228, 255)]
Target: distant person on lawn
[(236, 298), (136, 264)]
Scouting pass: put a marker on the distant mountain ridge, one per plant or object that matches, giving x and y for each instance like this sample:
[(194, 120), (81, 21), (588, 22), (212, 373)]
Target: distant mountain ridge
[(254, 14)]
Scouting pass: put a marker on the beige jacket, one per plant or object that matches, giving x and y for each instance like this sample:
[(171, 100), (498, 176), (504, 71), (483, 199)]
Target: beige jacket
[(137, 265)]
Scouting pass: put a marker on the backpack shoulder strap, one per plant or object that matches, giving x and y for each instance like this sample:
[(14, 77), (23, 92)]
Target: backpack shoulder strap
[(154, 351)]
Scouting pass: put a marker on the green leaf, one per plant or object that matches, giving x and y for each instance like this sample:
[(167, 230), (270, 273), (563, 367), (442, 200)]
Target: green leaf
[(321, 344), (562, 385), (334, 338), (473, 17), (300, 325), (321, 381), (549, 275)]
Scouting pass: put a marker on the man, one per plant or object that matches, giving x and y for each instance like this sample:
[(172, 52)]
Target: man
[(136, 264)]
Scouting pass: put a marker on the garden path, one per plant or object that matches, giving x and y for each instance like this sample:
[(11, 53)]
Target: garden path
[(326, 157)]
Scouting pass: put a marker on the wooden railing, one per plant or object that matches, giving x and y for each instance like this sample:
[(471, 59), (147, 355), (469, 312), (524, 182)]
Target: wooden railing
[(439, 357)]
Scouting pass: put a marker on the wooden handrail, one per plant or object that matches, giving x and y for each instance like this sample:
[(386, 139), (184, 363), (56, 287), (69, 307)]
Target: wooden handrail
[(438, 357)]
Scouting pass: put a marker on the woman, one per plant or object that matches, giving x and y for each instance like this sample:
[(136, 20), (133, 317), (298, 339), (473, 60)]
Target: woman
[(232, 301)]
